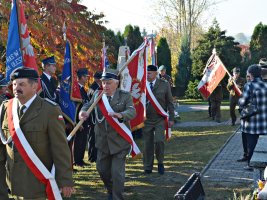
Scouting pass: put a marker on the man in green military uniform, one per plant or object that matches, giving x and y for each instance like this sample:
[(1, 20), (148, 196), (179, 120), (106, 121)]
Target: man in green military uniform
[(41, 122), (153, 132), (233, 97), (112, 148)]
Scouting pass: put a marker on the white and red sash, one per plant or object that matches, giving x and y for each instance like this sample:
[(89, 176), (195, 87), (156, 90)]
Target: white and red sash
[(30, 158), (154, 102), (121, 128)]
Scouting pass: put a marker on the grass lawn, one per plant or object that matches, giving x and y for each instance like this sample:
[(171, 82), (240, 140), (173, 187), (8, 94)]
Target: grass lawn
[(203, 116), (189, 150), (199, 102)]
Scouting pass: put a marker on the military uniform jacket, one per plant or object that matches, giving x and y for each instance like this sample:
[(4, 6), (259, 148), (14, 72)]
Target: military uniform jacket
[(50, 90), (107, 139), (162, 92), (46, 135), (240, 82)]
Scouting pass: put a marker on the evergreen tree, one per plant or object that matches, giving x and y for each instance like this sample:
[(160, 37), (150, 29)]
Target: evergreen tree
[(164, 55), (258, 43), (113, 42), (133, 35), (226, 49), (184, 67)]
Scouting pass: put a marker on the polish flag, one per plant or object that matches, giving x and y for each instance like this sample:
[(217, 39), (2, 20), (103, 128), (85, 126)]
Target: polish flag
[(213, 74)]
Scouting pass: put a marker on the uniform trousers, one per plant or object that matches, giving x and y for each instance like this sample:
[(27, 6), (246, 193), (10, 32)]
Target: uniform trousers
[(111, 169), (154, 137), (216, 109), (80, 145), (252, 140), (233, 104)]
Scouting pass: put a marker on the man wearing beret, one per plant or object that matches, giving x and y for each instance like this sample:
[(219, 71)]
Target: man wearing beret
[(81, 135), (153, 132), (92, 150), (112, 148), (48, 82), (33, 137), (233, 97)]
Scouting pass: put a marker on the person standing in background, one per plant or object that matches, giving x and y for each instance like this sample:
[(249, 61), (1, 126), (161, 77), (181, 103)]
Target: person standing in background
[(80, 139), (48, 82), (233, 97)]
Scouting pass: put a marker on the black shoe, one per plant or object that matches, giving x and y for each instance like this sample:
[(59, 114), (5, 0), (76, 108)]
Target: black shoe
[(161, 168), (243, 159), (148, 171), (248, 168)]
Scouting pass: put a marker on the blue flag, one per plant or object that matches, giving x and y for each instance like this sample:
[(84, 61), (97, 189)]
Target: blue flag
[(68, 106), (13, 50)]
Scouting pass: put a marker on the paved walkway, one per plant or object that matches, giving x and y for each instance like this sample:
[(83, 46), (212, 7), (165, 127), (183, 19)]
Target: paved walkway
[(224, 167)]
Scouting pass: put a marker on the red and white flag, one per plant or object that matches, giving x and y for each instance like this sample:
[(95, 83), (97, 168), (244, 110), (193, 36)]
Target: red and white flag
[(213, 74), (134, 81), (27, 49)]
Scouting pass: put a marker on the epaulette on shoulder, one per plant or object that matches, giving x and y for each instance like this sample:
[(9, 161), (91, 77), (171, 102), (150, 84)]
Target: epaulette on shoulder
[(51, 102)]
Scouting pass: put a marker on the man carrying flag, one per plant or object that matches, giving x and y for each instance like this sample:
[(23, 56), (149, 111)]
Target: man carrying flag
[(113, 137)]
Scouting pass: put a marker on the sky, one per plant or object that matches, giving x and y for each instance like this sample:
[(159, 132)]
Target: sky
[(235, 16)]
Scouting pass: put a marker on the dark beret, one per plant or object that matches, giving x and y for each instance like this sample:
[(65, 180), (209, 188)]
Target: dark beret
[(82, 72), (110, 74), (49, 60), (152, 68), (98, 75), (24, 72)]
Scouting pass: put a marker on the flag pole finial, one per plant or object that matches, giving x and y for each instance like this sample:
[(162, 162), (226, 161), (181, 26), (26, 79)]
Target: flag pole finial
[(214, 50), (64, 30)]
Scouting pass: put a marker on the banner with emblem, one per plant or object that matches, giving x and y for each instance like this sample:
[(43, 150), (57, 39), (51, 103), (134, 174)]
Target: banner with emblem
[(213, 74), (68, 86), (134, 81), (19, 49)]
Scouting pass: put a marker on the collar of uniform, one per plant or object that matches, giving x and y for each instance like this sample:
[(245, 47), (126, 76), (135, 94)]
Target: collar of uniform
[(28, 103), (153, 82), (47, 75)]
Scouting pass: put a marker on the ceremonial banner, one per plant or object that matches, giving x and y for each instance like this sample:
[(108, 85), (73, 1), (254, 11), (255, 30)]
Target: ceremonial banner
[(213, 74), (134, 81), (68, 87), (19, 49), (13, 50)]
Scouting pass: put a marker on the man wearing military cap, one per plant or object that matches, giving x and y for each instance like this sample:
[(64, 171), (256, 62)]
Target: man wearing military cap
[(112, 148), (81, 135), (153, 132), (233, 97), (38, 127), (48, 82), (164, 76)]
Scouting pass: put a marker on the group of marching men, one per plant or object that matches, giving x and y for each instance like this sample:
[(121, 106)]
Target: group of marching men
[(35, 158)]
